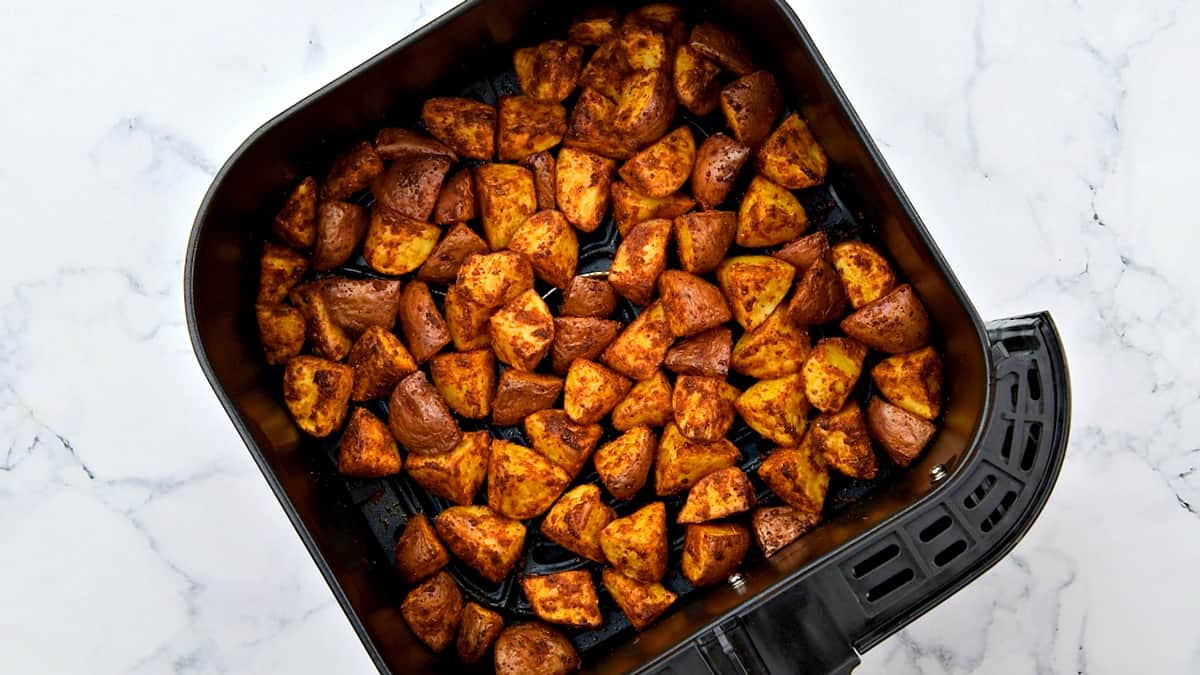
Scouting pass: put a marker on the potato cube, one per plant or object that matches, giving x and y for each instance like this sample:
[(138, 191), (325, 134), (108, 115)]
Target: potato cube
[(692, 305), (663, 167), (648, 403), (769, 215), (718, 495), (777, 408), (410, 185), (547, 240), (718, 162), (831, 371), (281, 330), (477, 631), (580, 338), (865, 273), (751, 105), (754, 286), (819, 297), (645, 107), (379, 361), (798, 476), (912, 381), (722, 46), (506, 198), (534, 649), (696, 84), (521, 394), (420, 419), (328, 339), (805, 251), (317, 393), (467, 321), (575, 522), (442, 265), (456, 200), (895, 323), (606, 70), (680, 461), (340, 229), (591, 391), (662, 17), (432, 611), (495, 279), (568, 598), (594, 26), (468, 127), (640, 258), (640, 349), (777, 526), (792, 157), (351, 172), (588, 297), (522, 331), (419, 553), (486, 541), (367, 449), (843, 440), (704, 354), (522, 484), (549, 71), (397, 244), (526, 126), (636, 545), (467, 380), (641, 48), (296, 222), (456, 475), (560, 440), (631, 207), (902, 434), (703, 407), (777, 347), (542, 166), (590, 127), (358, 304), (713, 551), (280, 270), (702, 239), (583, 181), (623, 464), (393, 143), (641, 603), (424, 328)]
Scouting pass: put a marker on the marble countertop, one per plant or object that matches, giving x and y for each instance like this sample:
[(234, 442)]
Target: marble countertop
[(1050, 146)]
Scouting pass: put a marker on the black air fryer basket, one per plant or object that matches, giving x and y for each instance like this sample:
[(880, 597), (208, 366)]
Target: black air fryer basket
[(889, 549)]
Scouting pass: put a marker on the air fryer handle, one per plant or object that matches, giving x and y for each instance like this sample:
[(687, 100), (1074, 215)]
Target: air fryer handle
[(851, 602)]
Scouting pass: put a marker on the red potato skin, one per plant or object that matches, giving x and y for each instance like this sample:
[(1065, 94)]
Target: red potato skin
[(718, 162)]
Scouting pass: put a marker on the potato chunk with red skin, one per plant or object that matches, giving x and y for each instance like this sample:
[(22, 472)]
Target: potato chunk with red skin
[(281, 330), (641, 603), (568, 598), (467, 126), (718, 162), (549, 71), (396, 244), (769, 215), (580, 338), (477, 631), (280, 269), (317, 393), (751, 105), (522, 484), (467, 380), (623, 464), (865, 273), (647, 403), (754, 285), (703, 407), (663, 167), (486, 541), (831, 371), (703, 238), (680, 461), (549, 242), (328, 339), (912, 381), (777, 526), (819, 296), (467, 320), (640, 258), (605, 71), (843, 440), (423, 326), (645, 107), (576, 519), (805, 251), (379, 361), (296, 222), (522, 331), (792, 157), (636, 545), (902, 434), (367, 448), (526, 125), (720, 494), (340, 229), (520, 394), (420, 419), (631, 207), (351, 172), (777, 347), (410, 185), (583, 182), (692, 305), (506, 198), (722, 46), (592, 391), (798, 476), (696, 84), (432, 611), (393, 143), (895, 323), (419, 553), (442, 265), (542, 166), (713, 551), (662, 17), (704, 354), (357, 304), (455, 475), (777, 408), (456, 199), (557, 438), (495, 279), (590, 127), (640, 349), (534, 649)]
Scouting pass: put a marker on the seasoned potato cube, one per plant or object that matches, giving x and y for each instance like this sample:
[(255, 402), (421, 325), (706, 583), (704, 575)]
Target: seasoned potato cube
[(567, 598), (580, 338), (547, 240), (455, 475), (560, 440), (281, 329), (280, 270), (648, 403), (703, 407), (591, 126), (419, 553), (641, 603), (721, 46), (467, 320), (420, 419), (424, 328), (588, 297), (468, 127), (506, 198), (865, 273), (495, 279), (367, 449), (777, 526), (631, 207), (798, 476), (704, 354), (605, 70), (640, 258), (754, 285), (902, 434), (397, 244), (467, 380), (692, 305), (912, 381), (594, 26), (591, 391), (317, 393), (641, 48), (702, 239), (645, 107), (624, 463), (379, 361), (769, 215), (819, 297), (459, 243), (640, 349), (328, 339), (895, 323), (831, 371), (718, 162), (520, 394), (522, 484), (411, 184), (486, 541), (680, 461), (751, 105), (549, 71), (477, 631), (662, 168), (358, 304), (718, 495), (296, 222), (583, 181), (526, 126), (542, 166), (696, 84), (393, 143), (805, 251), (456, 200), (636, 545), (662, 17), (432, 611), (340, 229), (351, 172), (777, 347), (522, 331), (792, 157), (713, 551), (842, 439), (534, 649), (777, 408), (575, 522)]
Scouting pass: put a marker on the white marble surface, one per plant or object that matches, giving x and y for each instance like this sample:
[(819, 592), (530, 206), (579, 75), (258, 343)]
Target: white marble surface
[(1050, 146)]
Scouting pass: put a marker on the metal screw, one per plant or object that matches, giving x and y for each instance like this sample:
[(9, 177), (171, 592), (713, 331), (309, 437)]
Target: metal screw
[(737, 581), (938, 473)]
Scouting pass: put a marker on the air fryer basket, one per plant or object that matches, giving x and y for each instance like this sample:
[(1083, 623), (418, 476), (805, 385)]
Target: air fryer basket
[(890, 549)]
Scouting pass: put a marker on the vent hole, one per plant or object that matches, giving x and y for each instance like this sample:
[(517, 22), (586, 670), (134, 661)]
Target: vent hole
[(1006, 447), (950, 553), (1033, 437), (890, 585), (997, 514), (972, 500), (935, 528), (1020, 343), (1034, 384), (872, 562), (1014, 392)]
